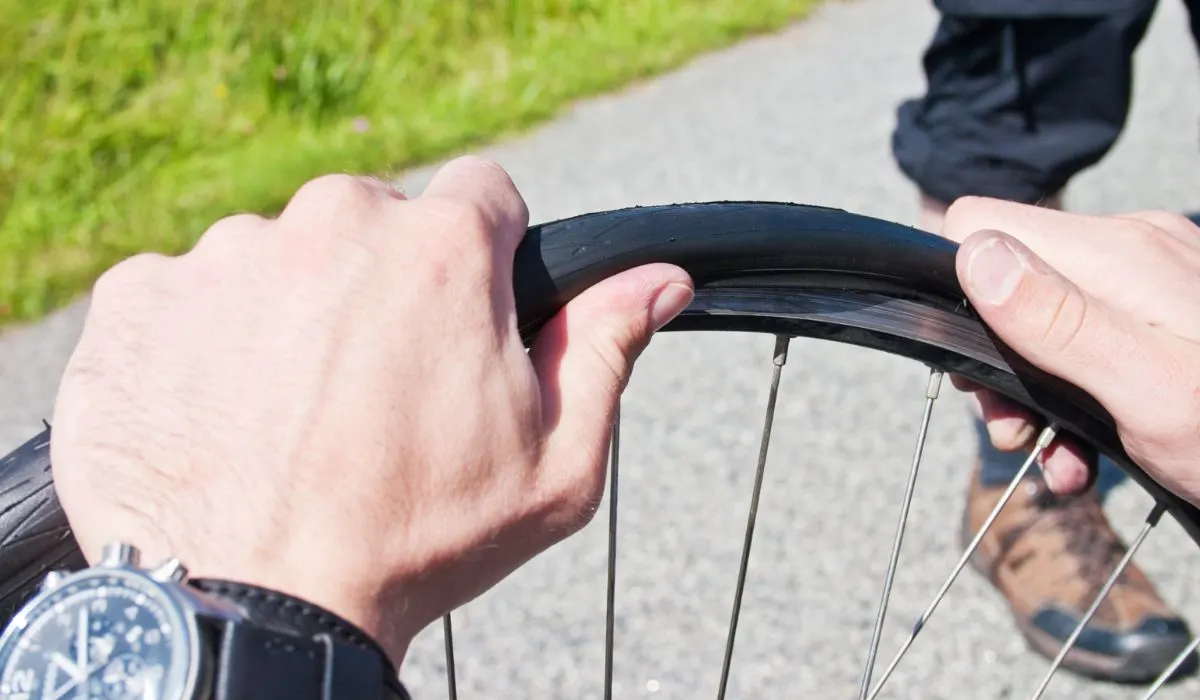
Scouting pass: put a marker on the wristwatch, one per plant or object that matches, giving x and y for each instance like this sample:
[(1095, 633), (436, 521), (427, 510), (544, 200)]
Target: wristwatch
[(115, 631)]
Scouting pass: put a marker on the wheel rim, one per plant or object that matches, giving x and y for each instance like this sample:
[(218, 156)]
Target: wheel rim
[(946, 340)]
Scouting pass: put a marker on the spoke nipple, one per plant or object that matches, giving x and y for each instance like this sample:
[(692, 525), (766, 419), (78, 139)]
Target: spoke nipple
[(935, 384), (918, 627), (781, 349), (1047, 436)]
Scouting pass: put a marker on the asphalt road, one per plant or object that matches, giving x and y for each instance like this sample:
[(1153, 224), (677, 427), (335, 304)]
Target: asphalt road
[(804, 115)]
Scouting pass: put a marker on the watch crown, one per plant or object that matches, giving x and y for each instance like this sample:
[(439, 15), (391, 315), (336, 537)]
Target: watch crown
[(119, 554), (53, 580), (170, 570)]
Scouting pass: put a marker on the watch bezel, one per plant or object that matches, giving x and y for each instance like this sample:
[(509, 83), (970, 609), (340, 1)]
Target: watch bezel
[(178, 607)]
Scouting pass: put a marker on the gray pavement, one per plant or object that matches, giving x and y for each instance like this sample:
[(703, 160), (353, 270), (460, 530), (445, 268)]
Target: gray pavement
[(804, 115)]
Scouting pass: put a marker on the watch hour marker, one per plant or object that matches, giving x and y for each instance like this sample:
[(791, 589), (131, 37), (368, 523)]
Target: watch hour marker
[(22, 681), (131, 612), (133, 635)]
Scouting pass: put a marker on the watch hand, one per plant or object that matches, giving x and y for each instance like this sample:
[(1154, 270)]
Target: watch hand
[(50, 681), (81, 654), (64, 664), (60, 692), (81, 651), (149, 688)]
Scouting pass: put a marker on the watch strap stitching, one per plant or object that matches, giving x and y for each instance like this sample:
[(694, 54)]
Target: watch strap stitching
[(326, 621)]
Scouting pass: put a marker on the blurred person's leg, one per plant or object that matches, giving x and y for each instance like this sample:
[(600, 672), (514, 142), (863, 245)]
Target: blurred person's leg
[(1193, 7), (1021, 97)]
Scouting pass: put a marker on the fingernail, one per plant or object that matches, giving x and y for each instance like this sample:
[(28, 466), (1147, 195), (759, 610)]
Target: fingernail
[(669, 302), (994, 270)]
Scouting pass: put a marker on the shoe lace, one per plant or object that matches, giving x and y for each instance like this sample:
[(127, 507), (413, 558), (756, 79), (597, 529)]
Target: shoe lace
[(1088, 537)]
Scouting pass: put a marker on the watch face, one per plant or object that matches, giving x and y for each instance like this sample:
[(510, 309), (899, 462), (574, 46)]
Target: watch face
[(103, 635)]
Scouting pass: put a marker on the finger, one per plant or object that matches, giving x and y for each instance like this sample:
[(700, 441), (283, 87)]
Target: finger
[(1177, 225), (584, 355), (965, 385), (1055, 325), (487, 192), (1153, 265), (1009, 425), (1068, 467)]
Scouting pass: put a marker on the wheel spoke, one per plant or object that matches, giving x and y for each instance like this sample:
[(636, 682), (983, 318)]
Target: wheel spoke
[(1043, 441), (1175, 665), (1151, 520), (931, 394), (451, 681), (610, 615), (780, 358)]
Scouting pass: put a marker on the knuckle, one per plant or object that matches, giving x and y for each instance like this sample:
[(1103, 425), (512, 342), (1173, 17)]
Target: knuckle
[(1064, 320), (232, 232), (337, 192), (1143, 231), (967, 205), (466, 235), (1158, 236), (614, 344), (1153, 224), (974, 204), (132, 276), (481, 163), (236, 226), (964, 216)]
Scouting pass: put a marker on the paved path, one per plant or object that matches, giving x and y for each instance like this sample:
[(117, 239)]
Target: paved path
[(805, 116)]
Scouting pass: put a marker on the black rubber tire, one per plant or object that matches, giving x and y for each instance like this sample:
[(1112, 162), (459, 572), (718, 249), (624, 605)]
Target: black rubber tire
[(34, 537), (733, 250)]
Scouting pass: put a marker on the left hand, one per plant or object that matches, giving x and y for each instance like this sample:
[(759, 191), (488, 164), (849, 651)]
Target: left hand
[(336, 404)]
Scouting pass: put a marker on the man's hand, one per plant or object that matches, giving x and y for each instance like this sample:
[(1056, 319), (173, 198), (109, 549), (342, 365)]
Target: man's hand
[(1111, 304), (337, 404)]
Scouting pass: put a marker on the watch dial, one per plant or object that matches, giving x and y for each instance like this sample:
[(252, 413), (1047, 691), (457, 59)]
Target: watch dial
[(102, 637)]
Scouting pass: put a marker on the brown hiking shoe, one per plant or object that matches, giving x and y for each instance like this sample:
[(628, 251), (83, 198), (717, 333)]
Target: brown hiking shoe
[(1050, 557)]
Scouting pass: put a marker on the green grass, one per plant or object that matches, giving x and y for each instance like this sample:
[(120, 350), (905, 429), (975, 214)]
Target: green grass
[(131, 125)]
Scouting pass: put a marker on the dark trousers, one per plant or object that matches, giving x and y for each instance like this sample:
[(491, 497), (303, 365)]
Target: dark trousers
[(1022, 94)]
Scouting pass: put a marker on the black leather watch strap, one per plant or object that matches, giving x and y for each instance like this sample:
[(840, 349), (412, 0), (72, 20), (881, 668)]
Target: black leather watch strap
[(257, 663), (291, 649)]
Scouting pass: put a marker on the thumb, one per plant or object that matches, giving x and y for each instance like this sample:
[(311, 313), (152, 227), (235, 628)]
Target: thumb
[(583, 357), (1051, 322)]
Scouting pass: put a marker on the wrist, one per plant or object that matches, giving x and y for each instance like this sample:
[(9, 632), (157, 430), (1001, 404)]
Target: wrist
[(358, 610), (303, 618), (349, 601), (174, 636)]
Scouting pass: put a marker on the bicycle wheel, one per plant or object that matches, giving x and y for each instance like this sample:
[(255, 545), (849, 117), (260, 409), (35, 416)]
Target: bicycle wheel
[(782, 269)]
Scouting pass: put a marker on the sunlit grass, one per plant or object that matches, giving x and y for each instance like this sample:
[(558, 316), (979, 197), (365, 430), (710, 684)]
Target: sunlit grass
[(130, 125)]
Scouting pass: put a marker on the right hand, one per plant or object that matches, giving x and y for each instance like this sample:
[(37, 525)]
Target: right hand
[(1110, 304)]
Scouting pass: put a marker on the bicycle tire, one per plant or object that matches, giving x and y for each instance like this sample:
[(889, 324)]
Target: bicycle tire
[(824, 273)]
